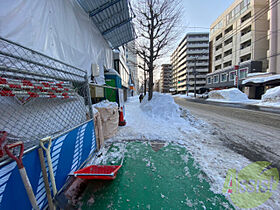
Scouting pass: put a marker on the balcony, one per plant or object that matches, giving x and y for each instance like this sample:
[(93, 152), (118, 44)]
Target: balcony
[(199, 76), (218, 62), (228, 47), (199, 82), (201, 39), (227, 58), (245, 51), (198, 45), (190, 52), (219, 51), (202, 70), (246, 37)]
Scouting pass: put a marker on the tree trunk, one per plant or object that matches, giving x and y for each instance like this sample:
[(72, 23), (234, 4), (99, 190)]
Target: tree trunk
[(145, 83), (151, 84), (151, 57)]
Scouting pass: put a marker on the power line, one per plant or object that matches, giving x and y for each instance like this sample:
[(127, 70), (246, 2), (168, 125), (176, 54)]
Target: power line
[(277, 31)]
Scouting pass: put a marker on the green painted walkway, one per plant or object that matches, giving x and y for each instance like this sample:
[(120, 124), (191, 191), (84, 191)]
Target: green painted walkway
[(166, 179)]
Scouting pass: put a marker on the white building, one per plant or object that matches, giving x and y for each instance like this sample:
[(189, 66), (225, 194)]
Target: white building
[(192, 55)]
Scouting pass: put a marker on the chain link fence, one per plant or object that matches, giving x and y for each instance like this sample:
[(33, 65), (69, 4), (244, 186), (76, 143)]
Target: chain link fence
[(39, 96)]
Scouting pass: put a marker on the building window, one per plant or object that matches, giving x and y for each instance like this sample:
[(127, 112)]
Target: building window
[(218, 57), (245, 44), (227, 64), (218, 67), (228, 52), (245, 58), (219, 47), (232, 75), (246, 30), (229, 29), (224, 77), (237, 10), (209, 80), (246, 17), (216, 79), (243, 73), (219, 36), (228, 41)]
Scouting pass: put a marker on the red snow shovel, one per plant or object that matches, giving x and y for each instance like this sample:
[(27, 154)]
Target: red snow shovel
[(105, 172), (22, 171)]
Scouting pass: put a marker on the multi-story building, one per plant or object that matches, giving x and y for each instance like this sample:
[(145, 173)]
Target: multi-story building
[(243, 40), (132, 60), (120, 65), (192, 55), (165, 78)]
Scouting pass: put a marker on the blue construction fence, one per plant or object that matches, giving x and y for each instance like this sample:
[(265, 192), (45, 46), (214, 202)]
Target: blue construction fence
[(68, 152)]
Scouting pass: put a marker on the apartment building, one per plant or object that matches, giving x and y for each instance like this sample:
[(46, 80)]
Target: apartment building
[(245, 40), (165, 78), (190, 62)]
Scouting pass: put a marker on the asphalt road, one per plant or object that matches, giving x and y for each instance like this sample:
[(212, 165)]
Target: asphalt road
[(254, 134)]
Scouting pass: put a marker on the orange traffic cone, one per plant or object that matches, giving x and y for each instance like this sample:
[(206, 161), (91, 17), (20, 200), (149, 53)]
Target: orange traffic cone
[(121, 118)]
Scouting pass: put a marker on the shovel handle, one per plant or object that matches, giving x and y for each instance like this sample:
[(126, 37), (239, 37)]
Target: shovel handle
[(11, 155), (42, 141), (2, 140), (3, 137)]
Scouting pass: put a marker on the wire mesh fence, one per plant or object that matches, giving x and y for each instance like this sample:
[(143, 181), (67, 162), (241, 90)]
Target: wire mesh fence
[(39, 96)]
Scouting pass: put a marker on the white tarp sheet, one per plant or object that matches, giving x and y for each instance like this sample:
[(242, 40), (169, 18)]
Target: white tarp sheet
[(60, 29)]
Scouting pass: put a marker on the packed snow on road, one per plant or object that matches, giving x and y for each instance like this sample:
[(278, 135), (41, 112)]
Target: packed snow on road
[(161, 119)]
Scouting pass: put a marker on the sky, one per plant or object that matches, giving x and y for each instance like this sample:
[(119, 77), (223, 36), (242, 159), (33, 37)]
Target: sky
[(199, 13)]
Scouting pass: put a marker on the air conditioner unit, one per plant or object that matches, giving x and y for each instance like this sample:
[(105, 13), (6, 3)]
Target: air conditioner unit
[(94, 70)]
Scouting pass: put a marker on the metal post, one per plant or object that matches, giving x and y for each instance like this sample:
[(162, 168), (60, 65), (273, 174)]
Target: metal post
[(194, 72), (88, 97)]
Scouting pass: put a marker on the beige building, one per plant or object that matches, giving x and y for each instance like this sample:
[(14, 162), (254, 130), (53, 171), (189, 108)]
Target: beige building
[(239, 35), (191, 55), (245, 41)]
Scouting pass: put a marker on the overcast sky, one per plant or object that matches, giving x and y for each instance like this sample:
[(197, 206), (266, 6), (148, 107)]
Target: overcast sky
[(199, 15)]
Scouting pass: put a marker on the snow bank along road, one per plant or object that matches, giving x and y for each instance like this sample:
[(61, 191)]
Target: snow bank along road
[(253, 134)]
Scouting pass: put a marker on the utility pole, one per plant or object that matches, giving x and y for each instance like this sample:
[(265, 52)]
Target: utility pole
[(194, 72)]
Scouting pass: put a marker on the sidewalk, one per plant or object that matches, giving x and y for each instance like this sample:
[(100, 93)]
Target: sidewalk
[(186, 169), (153, 178)]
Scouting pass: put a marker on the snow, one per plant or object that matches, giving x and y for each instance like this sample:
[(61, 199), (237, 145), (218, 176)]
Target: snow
[(189, 96), (257, 74), (162, 106), (162, 120), (257, 80), (181, 128), (105, 104), (271, 97), (228, 95)]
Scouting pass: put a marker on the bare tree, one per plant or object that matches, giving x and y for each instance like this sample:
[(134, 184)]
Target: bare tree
[(155, 24)]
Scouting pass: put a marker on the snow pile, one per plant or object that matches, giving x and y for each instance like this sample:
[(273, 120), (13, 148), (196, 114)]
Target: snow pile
[(264, 79), (162, 106), (105, 104), (190, 95), (230, 95), (271, 97)]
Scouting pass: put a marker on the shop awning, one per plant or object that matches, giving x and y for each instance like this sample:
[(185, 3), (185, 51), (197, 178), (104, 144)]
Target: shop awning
[(113, 18)]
